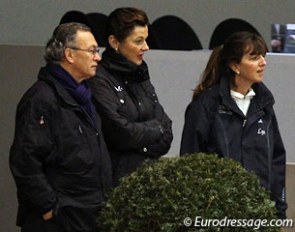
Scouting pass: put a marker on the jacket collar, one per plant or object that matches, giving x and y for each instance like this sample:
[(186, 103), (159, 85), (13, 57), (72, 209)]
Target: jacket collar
[(44, 75), (122, 68), (263, 97)]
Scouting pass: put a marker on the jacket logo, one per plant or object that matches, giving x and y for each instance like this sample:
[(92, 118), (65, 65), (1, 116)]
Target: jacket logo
[(224, 110), (261, 132), (119, 88), (260, 121)]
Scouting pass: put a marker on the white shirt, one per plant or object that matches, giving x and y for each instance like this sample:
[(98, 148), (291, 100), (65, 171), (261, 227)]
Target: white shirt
[(242, 101)]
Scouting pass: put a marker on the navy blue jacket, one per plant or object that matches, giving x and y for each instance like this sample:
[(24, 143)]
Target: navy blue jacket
[(58, 158), (215, 124)]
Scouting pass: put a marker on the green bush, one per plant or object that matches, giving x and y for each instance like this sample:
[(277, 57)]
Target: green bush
[(160, 196)]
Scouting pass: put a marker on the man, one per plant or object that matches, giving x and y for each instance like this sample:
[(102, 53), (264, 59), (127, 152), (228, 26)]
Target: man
[(58, 157)]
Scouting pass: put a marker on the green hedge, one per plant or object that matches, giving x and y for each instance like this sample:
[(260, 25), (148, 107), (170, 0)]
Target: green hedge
[(160, 196)]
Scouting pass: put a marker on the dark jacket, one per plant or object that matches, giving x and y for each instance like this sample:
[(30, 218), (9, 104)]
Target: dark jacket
[(134, 123), (214, 123), (58, 157)]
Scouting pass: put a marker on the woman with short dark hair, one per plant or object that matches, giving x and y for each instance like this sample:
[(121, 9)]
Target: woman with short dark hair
[(135, 125)]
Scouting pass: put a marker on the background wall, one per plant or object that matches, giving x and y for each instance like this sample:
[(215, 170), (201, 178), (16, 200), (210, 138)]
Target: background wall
[(26, 25), (30, 22)]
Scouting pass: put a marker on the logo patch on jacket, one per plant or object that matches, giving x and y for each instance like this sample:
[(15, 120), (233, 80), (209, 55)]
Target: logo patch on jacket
[(118, 88), (224, 110), (261, 132)]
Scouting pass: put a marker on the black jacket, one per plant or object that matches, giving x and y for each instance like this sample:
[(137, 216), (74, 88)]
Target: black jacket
[(134, 123), (58, 158), (214, 123)]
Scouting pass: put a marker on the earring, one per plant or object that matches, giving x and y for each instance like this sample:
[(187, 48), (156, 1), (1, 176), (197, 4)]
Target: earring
[(116, 49), (238, 72)]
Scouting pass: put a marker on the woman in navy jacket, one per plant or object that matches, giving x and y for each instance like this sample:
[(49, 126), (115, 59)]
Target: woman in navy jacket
[(134, 123), (232, 114)]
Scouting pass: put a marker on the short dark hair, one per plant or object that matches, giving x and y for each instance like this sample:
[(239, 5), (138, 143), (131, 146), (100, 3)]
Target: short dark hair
[(123, 20), (63, 36)]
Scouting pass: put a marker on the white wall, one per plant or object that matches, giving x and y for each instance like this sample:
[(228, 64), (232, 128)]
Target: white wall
[(30, 22)]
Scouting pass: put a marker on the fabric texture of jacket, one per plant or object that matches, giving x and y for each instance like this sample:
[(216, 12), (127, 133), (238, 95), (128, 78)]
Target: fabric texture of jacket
[(215, 124), (58, 158), (134, 123)]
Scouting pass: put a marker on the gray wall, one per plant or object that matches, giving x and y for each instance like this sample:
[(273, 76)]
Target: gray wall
[(173, 73), (31, 22)]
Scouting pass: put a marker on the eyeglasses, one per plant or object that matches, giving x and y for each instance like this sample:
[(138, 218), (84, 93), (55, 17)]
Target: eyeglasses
[(93, 51)]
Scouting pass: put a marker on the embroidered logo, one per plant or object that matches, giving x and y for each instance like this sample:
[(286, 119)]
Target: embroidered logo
[(224, 110), (119, 88), (261, 132), (260, 121)]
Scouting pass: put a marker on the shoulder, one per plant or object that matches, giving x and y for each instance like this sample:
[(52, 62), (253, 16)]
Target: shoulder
[(147, 84), (263, 95), (207, 97), (204, 103), (40, 91), (102, 78), (40, 98)]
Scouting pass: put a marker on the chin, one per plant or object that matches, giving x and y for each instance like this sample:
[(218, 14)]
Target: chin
[(138, 62), (259, 80)]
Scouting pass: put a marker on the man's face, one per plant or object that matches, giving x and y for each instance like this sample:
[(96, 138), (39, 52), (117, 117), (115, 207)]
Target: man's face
[(84, 56)]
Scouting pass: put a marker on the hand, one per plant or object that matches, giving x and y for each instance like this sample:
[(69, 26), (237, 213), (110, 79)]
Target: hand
[(48, 215)]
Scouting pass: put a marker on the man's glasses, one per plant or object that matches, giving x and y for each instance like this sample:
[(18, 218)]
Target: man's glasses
[(93, 51)]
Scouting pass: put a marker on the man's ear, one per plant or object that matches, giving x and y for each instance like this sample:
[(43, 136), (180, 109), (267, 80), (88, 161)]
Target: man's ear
[(114, 43), (69, 55)]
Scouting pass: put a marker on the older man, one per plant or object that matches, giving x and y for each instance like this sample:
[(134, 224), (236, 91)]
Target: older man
[(58, 157)]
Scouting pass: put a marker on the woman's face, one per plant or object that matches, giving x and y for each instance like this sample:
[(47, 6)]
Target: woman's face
[(251, 69), (134, 46)]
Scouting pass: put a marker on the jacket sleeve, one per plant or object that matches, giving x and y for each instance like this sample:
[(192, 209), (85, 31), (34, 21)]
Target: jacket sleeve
[(196, 129), (279, 172), (162, 145), (119, 130), (31, 146)]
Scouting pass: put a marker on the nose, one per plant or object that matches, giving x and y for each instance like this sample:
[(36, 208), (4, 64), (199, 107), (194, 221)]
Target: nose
[(145, 46), (262, 60), (97, 57)]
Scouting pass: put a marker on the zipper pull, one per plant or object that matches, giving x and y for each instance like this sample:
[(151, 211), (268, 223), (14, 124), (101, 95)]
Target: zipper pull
[(80, 129), (41, 122), (244, 122)]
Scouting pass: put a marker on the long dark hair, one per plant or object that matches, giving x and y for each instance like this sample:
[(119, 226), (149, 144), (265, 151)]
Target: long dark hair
[(122, 21), (231, 52)]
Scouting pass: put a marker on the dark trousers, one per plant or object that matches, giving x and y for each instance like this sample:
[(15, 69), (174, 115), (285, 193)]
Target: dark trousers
[(35, 223)]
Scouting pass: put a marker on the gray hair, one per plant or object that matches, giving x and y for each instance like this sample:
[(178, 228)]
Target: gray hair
[(63, 36)]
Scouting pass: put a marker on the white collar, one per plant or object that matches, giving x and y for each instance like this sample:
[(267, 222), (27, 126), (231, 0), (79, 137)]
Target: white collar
[(237, 95)]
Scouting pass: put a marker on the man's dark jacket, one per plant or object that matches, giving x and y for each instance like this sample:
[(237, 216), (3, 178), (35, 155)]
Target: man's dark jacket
[(58, 158)]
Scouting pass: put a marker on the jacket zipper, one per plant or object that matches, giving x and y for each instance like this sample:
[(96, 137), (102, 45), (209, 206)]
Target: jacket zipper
[(87, 116), (244, 122)]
